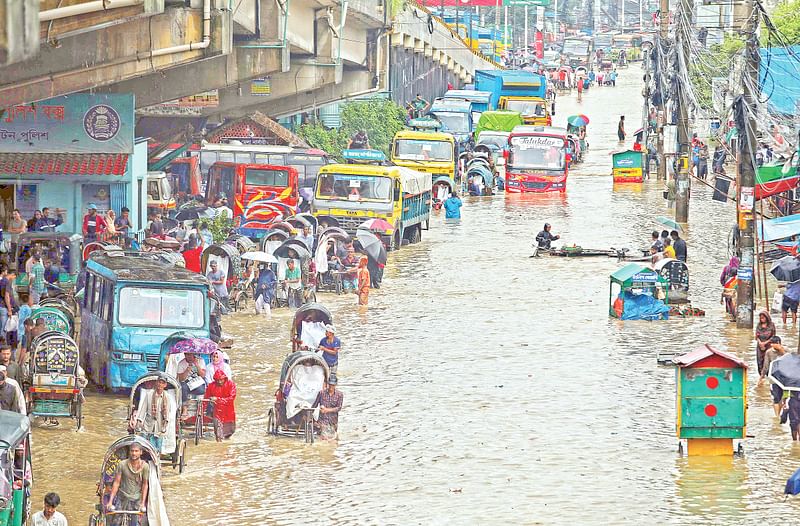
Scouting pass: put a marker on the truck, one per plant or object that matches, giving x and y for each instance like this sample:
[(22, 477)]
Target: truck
[(480, 100), (516, 90), (455, 115), (578, 51)]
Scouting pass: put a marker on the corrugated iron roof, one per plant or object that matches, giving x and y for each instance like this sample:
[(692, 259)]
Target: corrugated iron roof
[(63, 163), (705, 351)]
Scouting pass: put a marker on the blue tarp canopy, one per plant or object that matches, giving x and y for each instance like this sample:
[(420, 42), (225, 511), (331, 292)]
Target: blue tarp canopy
[(779, 228), (779, 70)]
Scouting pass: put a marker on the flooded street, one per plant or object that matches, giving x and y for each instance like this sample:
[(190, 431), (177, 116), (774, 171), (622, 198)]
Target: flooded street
[(482, 386)]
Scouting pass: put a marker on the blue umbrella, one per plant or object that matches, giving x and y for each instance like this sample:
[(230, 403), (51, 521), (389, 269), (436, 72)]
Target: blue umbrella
[(669, 223)]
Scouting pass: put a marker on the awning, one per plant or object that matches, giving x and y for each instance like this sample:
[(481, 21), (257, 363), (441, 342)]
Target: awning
[(779, 228), (63, 163)]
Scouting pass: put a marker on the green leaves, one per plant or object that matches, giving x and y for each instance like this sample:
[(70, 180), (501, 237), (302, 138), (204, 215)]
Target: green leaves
[(786, 18), (381, 118)]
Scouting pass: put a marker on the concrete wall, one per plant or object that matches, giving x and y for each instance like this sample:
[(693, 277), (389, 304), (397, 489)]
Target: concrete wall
[(412, 73)]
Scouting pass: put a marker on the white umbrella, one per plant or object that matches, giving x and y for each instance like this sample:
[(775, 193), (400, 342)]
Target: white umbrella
[(258, 255)]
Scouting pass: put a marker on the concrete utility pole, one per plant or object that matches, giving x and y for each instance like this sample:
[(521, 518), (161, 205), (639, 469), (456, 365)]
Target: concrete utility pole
[(663, 13), (525, 44), (746, 123), (684, 146)]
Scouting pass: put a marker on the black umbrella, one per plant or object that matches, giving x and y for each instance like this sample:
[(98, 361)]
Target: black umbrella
[(786, 269), (188, 214), (372, 246), (328, 221), (292, 244), (785, 371)]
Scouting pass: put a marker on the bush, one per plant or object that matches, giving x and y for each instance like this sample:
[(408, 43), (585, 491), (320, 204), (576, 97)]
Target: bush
[(716, 61), (380, 118), (786, 18)]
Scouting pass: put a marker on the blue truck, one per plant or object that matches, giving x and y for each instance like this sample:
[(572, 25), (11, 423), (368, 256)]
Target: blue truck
[(456, 118), (517, 90), (480, 100)]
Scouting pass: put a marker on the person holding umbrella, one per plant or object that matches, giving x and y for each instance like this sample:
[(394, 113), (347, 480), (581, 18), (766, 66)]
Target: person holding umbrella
[(791, 298)]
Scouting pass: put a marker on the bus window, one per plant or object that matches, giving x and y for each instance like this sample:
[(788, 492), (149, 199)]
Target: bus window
[(257, 177), (243, 158)]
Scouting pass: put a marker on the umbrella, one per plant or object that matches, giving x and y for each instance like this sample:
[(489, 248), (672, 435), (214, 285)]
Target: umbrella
[(188, 214), (298, 246), (372, 246), (578, 120), (670, 223), (378, 225), (786, 269), (260, 256), (785, 371), (638, 132), (328, 221), (193, 346)]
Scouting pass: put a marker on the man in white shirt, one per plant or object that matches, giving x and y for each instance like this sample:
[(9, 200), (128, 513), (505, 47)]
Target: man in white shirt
[(49, 516)]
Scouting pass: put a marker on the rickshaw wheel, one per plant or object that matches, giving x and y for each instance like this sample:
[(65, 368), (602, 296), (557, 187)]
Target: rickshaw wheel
[(198, 425), (182, 457), (309, 432), (78, 415), (271, 427)]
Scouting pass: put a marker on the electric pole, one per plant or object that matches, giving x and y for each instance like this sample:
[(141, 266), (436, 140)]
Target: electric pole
[(746, 124), (663, 15), (684, 147)]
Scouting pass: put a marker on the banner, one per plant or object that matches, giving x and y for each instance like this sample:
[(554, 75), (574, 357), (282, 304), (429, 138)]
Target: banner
[(80, 123)]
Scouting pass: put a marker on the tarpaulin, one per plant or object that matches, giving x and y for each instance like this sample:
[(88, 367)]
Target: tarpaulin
[(779, 228), (778, 73)]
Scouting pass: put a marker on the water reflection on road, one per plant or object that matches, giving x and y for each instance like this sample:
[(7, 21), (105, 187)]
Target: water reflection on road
[(482, 386)]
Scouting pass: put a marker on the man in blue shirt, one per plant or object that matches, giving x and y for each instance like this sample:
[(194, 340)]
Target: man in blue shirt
[(330, 346), (47, 223), (452, 207), (790, 301)]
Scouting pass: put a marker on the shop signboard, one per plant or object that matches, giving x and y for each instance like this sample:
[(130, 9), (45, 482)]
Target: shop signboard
[(80, 123)]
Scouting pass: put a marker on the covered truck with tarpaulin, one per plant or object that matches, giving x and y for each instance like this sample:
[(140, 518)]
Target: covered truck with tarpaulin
[(638, 293), (498, 120)]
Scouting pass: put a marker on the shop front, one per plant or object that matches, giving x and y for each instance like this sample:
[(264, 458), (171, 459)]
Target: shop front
[(69, 152)]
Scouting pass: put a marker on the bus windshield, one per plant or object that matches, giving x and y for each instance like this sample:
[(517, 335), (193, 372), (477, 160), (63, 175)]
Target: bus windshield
[(527, 108), (453, 122), (155, 307), (422, 150), (538, 153), (335, 186), (263, 177)]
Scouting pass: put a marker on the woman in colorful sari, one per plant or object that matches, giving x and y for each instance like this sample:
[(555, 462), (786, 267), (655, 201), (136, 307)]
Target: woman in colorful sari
[(363, 281)]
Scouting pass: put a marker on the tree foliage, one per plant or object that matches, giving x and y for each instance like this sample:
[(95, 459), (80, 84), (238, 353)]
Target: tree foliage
[(380, 118), (786, 18), (716, 61)]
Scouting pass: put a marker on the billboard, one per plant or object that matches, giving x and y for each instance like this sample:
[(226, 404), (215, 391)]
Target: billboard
[(80, 123)]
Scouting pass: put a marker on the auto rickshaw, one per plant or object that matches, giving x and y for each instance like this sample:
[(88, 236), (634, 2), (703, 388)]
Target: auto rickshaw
[(172, 445), (61, 255), (155, 509), (638, 293), (308, 326), (676, 273), (627, 166), (303, 375), (16, 479), (57, 380)]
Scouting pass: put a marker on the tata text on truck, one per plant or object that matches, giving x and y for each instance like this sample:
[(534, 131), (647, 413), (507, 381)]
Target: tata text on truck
[(365, 188), (537, 159), (258, 194), (430, 152), (516, 90)]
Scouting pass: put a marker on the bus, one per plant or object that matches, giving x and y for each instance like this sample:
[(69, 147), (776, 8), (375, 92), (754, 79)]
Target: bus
[(353, 193), (307, 162), (537, 159), (132, 307), (258, 194)]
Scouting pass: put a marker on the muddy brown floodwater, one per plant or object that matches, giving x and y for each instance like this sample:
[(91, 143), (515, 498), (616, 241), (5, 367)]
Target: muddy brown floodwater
[(482, 386)]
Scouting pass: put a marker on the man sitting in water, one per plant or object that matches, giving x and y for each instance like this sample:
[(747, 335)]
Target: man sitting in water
[(545, 237)]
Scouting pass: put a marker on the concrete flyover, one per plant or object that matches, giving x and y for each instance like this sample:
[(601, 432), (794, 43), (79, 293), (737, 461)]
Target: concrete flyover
[(426, 55)]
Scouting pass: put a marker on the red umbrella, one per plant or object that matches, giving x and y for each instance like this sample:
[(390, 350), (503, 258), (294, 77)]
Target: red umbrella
[(377, 225)]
